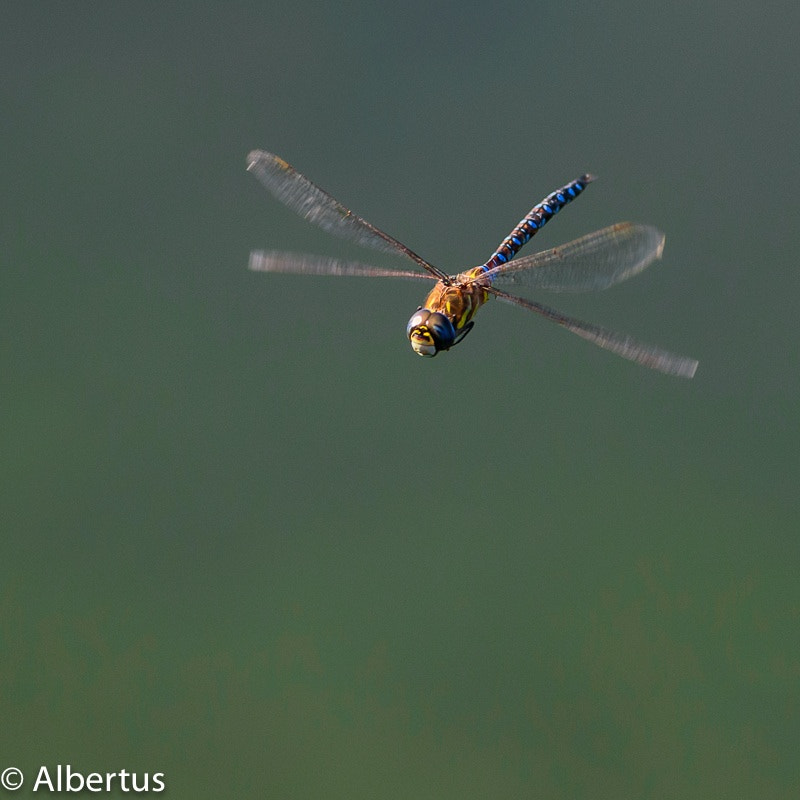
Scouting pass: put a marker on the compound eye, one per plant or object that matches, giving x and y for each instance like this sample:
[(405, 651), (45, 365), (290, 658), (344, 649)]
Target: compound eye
[(419, 317), (442, 329)]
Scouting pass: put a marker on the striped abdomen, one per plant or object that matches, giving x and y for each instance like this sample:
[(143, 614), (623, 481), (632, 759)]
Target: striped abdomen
[(535, 219)]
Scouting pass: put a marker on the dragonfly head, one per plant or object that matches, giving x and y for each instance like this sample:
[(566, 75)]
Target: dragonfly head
[(429, 332)]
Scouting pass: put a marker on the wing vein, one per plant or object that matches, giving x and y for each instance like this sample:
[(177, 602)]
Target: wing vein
[(590, 263), (314, 204)]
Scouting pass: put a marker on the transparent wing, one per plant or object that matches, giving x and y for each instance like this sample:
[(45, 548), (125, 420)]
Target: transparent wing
[(595, 261), (305, 264), (317, 206), (623, 345)]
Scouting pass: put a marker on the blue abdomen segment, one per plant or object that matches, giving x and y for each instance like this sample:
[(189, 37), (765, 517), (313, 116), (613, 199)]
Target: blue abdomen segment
[(536, 218)]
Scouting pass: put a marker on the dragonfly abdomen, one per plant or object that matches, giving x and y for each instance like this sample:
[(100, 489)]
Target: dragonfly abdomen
[(535, 219)]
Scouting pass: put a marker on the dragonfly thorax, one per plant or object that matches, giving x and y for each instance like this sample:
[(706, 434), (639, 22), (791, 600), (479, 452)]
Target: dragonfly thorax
[(446, 317)]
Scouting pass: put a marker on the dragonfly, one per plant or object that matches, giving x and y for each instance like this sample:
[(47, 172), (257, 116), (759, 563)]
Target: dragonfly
[(592, 262)]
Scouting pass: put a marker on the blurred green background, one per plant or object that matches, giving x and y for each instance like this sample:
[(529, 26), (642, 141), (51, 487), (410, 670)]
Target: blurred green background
[(253, 542)]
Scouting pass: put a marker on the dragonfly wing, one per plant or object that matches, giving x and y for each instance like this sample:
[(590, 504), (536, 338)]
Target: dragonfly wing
[(623, 345), (305, 264), (595, 261), (317, 206)]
